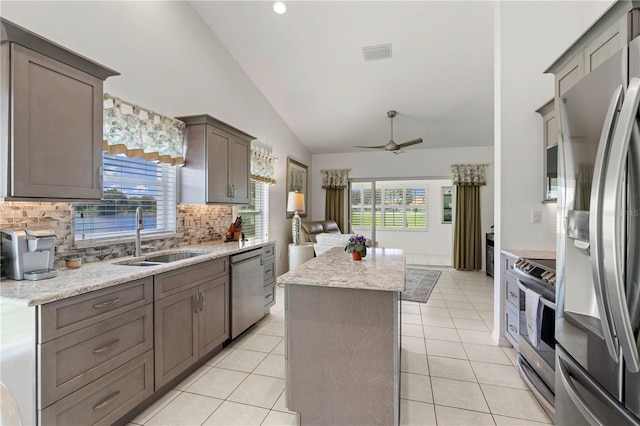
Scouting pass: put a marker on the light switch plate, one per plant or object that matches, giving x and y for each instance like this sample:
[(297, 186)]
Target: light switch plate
[(536, 216)]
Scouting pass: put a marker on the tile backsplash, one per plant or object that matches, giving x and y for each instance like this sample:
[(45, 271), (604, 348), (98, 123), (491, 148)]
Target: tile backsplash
[(196, 224)]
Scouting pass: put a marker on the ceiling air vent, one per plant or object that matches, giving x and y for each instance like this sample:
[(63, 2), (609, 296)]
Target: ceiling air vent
[(381, 51)]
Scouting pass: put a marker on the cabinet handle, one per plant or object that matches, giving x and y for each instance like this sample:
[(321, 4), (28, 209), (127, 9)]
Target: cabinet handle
[(107, 401), (100, 176), (202, 302), (268, 296), (107, 303), (513, 329), (106, 347), (512, 294), (195, 302), (233, 190)]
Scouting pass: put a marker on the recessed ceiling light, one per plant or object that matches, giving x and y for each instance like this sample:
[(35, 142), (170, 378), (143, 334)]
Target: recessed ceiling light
[(279, 7)]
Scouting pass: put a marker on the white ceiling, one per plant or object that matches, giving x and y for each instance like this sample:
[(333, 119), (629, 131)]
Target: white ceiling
[(309, 64)]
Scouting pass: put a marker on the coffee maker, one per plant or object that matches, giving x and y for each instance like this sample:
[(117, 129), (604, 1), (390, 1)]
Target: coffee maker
[(28, 254)]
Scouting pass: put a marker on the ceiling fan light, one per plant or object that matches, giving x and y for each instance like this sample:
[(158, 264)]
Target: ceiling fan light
[(280, 8)]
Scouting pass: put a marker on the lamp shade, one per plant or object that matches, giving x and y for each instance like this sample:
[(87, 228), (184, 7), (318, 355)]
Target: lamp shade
[(295, 202)]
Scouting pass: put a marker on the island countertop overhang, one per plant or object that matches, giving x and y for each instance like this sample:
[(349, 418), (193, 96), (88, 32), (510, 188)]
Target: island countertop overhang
[(382, 269)]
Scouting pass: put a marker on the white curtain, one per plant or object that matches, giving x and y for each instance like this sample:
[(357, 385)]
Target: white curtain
[(140, 133)]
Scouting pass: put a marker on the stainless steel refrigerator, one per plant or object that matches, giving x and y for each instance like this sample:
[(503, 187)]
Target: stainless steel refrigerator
[(598, 265)]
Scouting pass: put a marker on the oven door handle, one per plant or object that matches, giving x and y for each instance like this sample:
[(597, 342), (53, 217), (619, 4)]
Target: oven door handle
[(546, 302)]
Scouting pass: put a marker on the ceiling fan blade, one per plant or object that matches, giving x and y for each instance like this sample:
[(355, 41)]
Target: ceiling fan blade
[(374, 147), (409, 143)]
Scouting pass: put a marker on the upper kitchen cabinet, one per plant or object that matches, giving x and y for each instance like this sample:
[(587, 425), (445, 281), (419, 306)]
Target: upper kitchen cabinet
[(51, 116), (549, 151), (611, 32), (217, 164)]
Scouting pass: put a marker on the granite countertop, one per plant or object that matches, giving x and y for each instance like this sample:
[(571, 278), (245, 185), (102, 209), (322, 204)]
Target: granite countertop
[(531, 254), (382, 269), (98, 275)]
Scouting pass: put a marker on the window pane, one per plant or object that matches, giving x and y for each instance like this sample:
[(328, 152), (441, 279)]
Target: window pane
[(416, 217), (394, 217), (255, 215), (129, 183)]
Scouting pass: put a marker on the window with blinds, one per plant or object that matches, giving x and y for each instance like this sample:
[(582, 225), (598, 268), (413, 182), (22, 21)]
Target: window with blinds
[(396, 204), (129, 183), (255, 216)]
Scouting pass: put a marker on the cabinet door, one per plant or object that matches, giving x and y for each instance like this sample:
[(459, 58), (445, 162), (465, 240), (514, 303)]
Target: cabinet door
[(57, 129), (605, 45), (213, 317), (176, 335), (569, 75), (239, 169), (218, 188)]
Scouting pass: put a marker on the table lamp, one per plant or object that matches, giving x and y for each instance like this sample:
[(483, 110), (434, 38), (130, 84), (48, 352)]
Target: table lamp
[(295, 203)]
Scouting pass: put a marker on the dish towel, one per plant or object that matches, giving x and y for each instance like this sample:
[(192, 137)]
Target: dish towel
[(533, 316)]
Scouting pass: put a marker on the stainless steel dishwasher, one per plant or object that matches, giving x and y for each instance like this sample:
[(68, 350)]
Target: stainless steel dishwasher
[(247, 293)]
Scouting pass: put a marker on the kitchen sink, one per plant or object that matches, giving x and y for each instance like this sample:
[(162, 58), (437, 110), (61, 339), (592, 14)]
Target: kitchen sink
[(159, 259), (171, 257)]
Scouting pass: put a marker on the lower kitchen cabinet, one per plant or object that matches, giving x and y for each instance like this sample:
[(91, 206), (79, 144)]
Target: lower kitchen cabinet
[(191, 323), (104, 401), (176, 335), (269, 268), (511, 299)]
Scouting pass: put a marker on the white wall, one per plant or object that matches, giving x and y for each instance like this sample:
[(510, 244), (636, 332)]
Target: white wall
[(533, 35), (172, 63), (414, 163), (530, 35)]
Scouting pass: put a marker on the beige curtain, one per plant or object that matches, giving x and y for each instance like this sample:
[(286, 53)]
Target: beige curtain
[(467, 239), (334, 182), (334, 207)]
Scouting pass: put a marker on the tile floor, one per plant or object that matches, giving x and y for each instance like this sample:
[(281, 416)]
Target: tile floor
[(452, 373)]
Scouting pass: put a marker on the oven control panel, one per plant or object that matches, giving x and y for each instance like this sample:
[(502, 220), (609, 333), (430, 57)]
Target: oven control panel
[(536, 270)]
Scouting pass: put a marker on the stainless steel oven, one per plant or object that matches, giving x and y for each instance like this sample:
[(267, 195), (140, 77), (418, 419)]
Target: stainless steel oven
[(536, 360)]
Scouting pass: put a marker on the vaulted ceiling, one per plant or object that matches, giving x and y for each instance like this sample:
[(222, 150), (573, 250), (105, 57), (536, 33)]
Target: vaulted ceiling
[(309, 64)]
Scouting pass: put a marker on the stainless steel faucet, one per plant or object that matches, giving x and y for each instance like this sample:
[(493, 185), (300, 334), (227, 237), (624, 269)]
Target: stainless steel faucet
[(139, 226)]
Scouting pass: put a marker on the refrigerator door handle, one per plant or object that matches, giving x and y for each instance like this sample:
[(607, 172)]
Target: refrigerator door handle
[(578, 401), (613, 222), (595, 225)]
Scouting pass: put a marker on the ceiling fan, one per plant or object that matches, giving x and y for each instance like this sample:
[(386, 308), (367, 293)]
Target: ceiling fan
[(391, 146)]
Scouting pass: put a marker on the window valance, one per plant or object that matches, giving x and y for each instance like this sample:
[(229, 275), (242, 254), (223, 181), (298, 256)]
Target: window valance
[(469, 174), (263, 167), (140, 133), (334, 179)]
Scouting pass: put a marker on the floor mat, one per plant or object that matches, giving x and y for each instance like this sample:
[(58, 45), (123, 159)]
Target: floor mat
[(419, 283)]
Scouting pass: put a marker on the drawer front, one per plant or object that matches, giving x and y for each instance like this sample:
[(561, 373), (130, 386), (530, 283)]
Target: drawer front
[(68, 315), (269, 251), (509, 262), (107, 399), (511, 326), (269, 266), (174, 282), (72, 361), (270, 295), (512, 291)]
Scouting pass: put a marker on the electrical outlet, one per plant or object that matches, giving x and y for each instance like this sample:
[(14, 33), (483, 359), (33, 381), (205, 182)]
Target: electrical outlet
[(280, 253), (536, 216)]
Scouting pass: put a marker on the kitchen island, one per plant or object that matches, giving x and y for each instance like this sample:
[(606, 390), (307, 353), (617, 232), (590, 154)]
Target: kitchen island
[(342, 322)]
